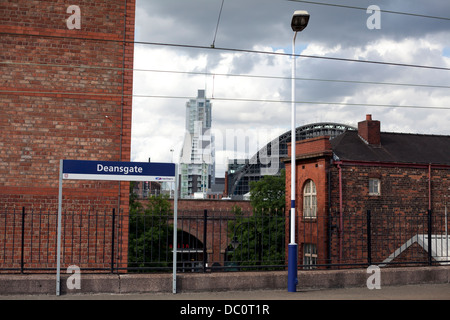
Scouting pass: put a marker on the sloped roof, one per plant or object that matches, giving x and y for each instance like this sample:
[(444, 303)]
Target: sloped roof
[(395, 147), (440, 248)]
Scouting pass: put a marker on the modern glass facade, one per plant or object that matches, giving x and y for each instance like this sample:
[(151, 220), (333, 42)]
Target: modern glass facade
[(197, 165)]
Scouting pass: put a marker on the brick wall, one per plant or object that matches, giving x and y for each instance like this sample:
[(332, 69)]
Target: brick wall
[(340, 229), (311, 146), (213, 206), (405, 197), (64, 94), (313, 156), (403, 187), (219, 211)]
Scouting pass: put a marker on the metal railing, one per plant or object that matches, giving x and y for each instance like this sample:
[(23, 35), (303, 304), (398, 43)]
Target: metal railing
[(28, 240), (387, 237), (207, 241), (210, 240)]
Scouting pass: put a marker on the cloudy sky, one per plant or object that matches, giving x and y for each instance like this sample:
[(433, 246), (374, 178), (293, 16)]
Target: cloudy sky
[(251, 91)]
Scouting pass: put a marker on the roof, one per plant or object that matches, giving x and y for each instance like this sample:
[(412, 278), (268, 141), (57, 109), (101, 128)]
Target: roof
[(395, 147)]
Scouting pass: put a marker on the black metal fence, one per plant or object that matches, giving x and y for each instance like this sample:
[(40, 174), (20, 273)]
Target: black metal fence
[(387, 237), (207, 241), (211, 241), (28, 240)]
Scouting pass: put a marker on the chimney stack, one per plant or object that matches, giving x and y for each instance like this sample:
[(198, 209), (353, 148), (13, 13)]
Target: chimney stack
[(369, 131)]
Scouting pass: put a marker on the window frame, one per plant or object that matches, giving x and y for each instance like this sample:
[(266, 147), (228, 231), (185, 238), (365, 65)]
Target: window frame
[(309, 200), (372, 183), (310, 255)]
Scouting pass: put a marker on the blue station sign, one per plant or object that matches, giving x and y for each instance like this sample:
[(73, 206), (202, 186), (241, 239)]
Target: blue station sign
[(118, 171)]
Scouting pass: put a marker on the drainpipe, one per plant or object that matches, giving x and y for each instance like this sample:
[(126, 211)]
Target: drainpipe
[(429, 186), (123, 93), (341, 219), (446, 228), (329, 215)]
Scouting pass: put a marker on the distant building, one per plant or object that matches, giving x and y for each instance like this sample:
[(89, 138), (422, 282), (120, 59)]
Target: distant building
[(217, 189), (197, 163), (146, 189), (369, 197)]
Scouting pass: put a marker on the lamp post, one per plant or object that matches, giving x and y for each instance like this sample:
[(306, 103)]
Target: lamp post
[(299, 22)]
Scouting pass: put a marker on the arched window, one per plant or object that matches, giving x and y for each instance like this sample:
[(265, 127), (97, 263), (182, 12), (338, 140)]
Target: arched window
[(309, 200)]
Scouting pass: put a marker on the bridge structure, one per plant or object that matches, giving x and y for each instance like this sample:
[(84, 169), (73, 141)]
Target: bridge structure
[(268, 160), (204, 238)]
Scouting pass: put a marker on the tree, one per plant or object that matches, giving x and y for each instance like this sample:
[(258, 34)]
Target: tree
[(259, 239), (149, 233), (268, 193)]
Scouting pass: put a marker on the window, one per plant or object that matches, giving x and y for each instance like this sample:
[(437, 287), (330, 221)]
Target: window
[(374, 187), (309, 255), (309, 200)]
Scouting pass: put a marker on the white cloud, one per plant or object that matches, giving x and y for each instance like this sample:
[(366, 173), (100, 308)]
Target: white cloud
[(159, 123)]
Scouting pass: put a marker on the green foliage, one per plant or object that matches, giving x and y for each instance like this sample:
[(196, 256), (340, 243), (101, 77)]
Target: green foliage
[(149, 233), (260, 237), (268, 193), (158, 205)]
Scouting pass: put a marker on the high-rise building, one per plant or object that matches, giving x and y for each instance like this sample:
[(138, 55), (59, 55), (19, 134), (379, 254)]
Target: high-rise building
[(197, 163)]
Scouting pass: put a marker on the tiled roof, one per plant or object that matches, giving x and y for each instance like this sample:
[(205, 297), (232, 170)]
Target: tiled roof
[(395, 147)]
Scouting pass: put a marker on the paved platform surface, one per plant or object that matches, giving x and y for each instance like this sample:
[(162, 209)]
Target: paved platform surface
[(154, 285), (406, 292)]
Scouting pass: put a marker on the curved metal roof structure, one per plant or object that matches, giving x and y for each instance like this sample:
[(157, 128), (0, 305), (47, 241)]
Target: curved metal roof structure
[(268, 159)]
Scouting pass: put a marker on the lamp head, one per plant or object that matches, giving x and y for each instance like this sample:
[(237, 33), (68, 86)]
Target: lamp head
[(300, 20)]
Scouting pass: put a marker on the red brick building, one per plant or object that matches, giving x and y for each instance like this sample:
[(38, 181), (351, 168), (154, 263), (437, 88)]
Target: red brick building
[(392, 179), (65, 93)]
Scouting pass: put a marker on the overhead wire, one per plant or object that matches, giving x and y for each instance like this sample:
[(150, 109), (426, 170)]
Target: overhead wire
[(381, 10), (233, 99), (213, 47), (268, 52), (214, 74), (218, 74), (187, 46), (217, 27), (298, 55), (118, 95)]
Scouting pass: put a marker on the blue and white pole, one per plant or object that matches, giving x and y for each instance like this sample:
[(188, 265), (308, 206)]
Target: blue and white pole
[(292, 250)]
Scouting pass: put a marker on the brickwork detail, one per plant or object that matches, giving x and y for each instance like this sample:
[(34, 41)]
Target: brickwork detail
[(407, 192), (65, 94)]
